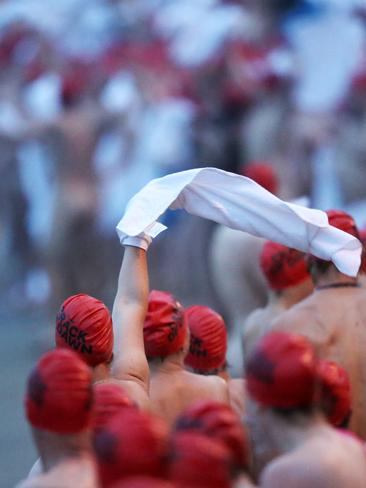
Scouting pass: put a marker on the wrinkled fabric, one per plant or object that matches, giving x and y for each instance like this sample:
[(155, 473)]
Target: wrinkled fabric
[(242, 204), (343, 221)]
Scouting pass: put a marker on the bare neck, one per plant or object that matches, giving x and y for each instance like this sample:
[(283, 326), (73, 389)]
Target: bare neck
[(333, 276), (169, 365), (285, 435), (55, 448), (224, 374), (101, 372), (293, 295)]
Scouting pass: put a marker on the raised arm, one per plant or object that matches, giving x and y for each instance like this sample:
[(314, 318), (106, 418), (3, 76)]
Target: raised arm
[(129, 310)]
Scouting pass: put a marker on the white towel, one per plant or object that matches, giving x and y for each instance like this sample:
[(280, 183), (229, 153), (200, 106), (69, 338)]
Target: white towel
[(242, 204)]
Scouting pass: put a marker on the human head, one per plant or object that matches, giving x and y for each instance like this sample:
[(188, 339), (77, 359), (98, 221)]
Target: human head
[(133, 443), (109, 400), (59, 394), (208, 340), (282, 266), (84, 325), (220, 422), (334, 392), (75, 82), (342, 221), (165, 328), (262, 173), (281, 372), (198, 461)]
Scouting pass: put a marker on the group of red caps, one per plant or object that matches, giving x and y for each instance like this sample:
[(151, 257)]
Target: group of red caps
[(208, 445)]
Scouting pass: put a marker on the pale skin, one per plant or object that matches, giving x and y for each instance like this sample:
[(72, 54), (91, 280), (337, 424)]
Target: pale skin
[(243, 482), (237, 392), (71, 140), (173, 389), (314, 455), (129, 367), (304, 449), (260, 321), (238, 283), (235, 388), (66, 460), (334, 320)]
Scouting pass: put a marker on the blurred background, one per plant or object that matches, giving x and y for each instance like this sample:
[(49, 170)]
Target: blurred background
[(97, 97)]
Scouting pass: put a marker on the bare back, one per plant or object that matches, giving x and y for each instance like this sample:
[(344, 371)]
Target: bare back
[(80, 472), (335, 321), (134, 390), (237, 395), (238, 280), (326, 460), (172, 392), (238, 283), (258, 324)]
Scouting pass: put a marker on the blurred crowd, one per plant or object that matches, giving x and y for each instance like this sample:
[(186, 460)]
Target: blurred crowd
[(98, 97)]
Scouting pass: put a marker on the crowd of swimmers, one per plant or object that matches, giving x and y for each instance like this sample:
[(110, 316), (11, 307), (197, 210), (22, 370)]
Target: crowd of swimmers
[(143, 397)]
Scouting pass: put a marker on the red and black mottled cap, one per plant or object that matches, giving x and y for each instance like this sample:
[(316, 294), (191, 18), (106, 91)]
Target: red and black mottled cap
[(219, 421), (59, 396), (133, 443), (282, 266), (165, 328), (208, 338), (281, 371)]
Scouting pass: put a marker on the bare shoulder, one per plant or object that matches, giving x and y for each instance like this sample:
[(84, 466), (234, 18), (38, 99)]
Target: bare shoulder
[(216, 386), (291, 470), (134, 390), (296, 316), (252, 330), (253, 319), (361, 296)]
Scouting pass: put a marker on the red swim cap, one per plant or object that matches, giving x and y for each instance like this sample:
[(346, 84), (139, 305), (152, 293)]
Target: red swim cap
[(208, 340), (84, 325), (334, 392), (133, 443), (343, 221), (142, 482), (220, 422), (198, 461), (165, 329), (263, 174), (109, 399), (282, 266), (75, 81), (281, 371), (59, 394)]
